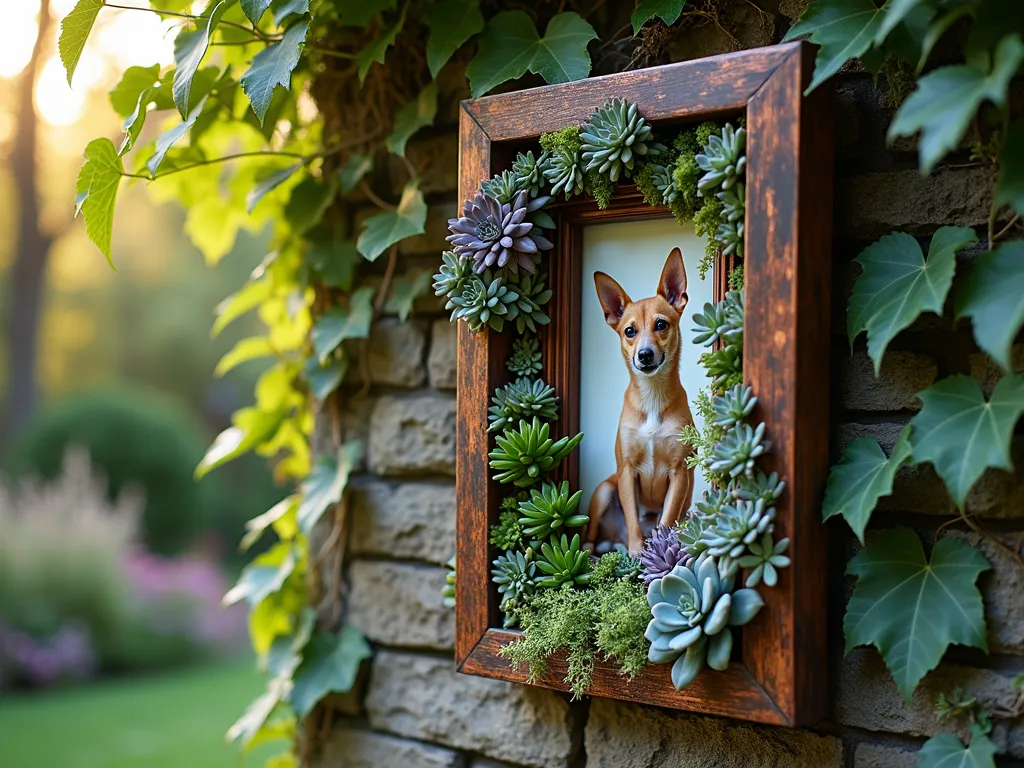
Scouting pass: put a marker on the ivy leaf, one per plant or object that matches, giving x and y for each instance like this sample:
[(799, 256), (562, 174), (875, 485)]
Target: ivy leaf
[(1010, 182), (946, 751), (272, 67), (333, 257), (962, 434), (945, 101), (912, 609), (992, 295), (254, 9), (254, 528), (189, 50), (843, 30), (937, 29), (355, 168), (168, 138), (265, 574), (896, 12), (96, 192), (272, 182), (259, 711), (326, 483), (330, 664), (308, 202), (451, 24), (246, 299), (385, 229), (510, 45), (666, 10), (404, 293), (125, 95), (861, 478), (897, 285), (251, 426), (359, 13), (411, 117), (324, 379), (282, 9), (74, 32), (245, 350), (375, 52), (338, 324)]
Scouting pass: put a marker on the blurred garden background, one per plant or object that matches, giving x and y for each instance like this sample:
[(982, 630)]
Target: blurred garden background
[(113, 560)]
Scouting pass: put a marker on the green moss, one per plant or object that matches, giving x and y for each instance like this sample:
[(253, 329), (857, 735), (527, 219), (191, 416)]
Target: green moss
[(599, 187), (567, 139), (644, 179), (507, 533), (736, 278), (704, 132), (705, 224)]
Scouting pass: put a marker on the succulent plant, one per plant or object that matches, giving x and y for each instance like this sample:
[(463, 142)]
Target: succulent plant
[(485, 301), (526, 453), (448, 591), (514, 574), (526, 357), (759, 486), (735, 528), (662, 552), (615, 136), (734, 202), (503, 187), (507, 533), (563, 562), (497, 234), (532, 296), (724, 366), (732, 406), (722, 321), (730, 235), (663, 182), (549, 509), (711, 502), (521, 399), (691, 538), (565, 171), (455, 273), (764, 560), (529, 171), (692, 611), (735, 452), (723, 160)]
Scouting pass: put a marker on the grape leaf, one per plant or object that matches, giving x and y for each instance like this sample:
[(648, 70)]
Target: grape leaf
[(245, 299), (666, 10), (168, 138), (411, 117), (962, 434), (375, 52), (326, 483), (74, 32), (896, 12), (338, 324), (897, 285), (451, 24), (189, 50), (355, 168), (282, 9), (308, 202), (251, 348), (937, 29), (272, 182), (255, 528), (946, 751), (96, 192), (861, 478), (333, 257), (359, 13), (272, 67), (330, 664), (912, 609), (946, 99), (254, 9), (125, 95), (385, 229), (324, 379), (259, 711), (843, 30), (404, 292), (251, 426), (510, 45), (265, 574), (992, 295), (1010, 182)]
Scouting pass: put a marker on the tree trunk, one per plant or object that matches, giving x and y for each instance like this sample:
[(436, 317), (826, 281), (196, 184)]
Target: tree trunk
[(31, 247)]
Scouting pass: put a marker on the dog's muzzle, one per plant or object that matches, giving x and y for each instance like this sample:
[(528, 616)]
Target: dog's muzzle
[(645, 361)]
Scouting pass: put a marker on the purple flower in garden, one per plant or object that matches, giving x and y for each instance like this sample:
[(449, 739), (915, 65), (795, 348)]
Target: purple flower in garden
[(66, 655), (661, 553), (496, 234)]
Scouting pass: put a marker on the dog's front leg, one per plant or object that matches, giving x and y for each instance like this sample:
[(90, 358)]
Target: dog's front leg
[(627, 498), (678, 498)]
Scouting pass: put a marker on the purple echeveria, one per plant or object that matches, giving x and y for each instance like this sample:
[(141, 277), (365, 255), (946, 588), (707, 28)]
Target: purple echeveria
[(496, 234), (661, 553)]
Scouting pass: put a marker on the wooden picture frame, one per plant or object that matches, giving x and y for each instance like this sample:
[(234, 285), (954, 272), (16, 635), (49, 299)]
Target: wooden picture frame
[(782, 676)]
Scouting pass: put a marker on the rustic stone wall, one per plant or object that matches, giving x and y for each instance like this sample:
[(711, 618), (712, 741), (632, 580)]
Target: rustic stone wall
[(415, 711)]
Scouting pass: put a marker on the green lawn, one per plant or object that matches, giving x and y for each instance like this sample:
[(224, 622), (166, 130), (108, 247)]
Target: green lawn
[(174, 720)]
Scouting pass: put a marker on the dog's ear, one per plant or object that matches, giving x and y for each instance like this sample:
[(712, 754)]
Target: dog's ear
[(613, 299), (672, 286)]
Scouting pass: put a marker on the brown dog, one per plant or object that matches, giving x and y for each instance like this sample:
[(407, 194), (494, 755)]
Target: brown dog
[(651, 472)]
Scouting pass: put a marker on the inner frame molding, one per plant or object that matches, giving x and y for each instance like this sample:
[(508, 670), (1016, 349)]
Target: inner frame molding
[(782, 674)]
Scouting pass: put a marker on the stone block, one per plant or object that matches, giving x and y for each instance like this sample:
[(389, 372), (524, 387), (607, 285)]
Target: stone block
[(437, 160), (432, 240), (881, 756), (443, 359), (422, 697), (412, 435), (400, 604), (902, 376), (619, 734), (395, 354), (875, 204), (350, 747), (406, 521), (988, 372), (884, 434)]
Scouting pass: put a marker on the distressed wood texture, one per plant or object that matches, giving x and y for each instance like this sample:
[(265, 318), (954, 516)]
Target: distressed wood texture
[(779, 674)]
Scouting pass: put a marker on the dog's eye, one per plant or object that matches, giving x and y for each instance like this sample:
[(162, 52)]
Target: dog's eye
[(630, 332), (660, 325)]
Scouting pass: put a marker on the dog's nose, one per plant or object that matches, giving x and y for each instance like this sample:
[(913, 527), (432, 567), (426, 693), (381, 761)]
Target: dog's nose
[(645, 356)]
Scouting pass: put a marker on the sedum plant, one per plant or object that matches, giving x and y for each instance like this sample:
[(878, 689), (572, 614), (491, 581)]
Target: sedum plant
[(723, 160), (529, 171), (515, 574), (615, 136), (563, 561), (507, 533), (736, 451), (448, 592), (765, 559), (526, 357), (503, 187), (550, 508), (760, 486), (662, 552), (496, 234), (564, 169), (485, 301), (693, 610), (520, 399), (524, 454), (735, 528), (733, 406)]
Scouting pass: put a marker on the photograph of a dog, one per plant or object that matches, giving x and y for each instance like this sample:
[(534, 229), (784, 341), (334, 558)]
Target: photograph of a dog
[(636, 471)]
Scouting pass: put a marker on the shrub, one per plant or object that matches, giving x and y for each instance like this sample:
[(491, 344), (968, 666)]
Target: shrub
[(133, 438)]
